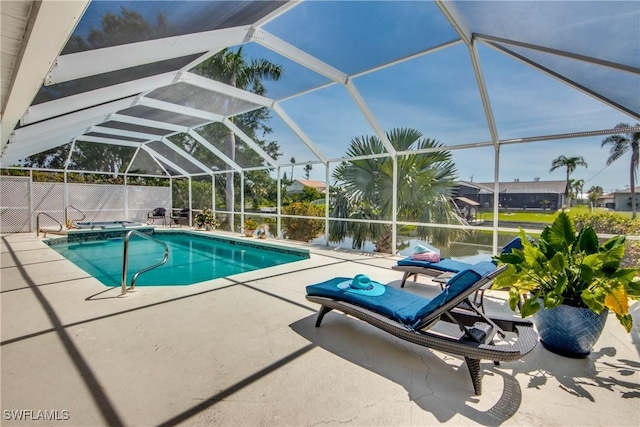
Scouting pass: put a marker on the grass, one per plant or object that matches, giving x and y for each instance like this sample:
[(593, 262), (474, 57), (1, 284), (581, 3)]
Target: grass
[(543, 217)]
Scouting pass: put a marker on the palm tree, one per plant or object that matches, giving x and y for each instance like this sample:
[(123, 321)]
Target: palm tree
[(232, 68), (571, 163), (578, 186), (292, 161), (307, 170), (425, 185), (620, 144)]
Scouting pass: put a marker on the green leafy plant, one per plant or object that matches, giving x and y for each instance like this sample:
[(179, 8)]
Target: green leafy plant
[(250, 224), (206, 218), (569, 267)]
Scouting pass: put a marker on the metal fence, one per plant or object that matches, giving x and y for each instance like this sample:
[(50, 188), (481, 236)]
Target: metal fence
[(21, 200)]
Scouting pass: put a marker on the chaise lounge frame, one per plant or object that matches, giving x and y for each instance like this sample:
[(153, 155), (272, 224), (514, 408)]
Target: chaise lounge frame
[(476, 342)]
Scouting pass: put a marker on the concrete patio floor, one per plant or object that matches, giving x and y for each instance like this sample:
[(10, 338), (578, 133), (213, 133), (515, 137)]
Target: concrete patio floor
[(243, 350)]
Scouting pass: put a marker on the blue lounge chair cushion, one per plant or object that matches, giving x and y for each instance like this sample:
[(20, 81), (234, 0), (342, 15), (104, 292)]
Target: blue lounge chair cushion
[(450, 265), (445, 264), (515, 243), (397, 304)]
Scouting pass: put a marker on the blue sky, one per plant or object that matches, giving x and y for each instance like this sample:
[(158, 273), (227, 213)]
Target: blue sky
[(438, 94)]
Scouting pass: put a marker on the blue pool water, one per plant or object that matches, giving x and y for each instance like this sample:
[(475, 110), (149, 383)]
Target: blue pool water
[(192, 258)]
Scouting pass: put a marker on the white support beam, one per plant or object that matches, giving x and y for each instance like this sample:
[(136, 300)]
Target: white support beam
[(299, 56), (146, 122), (450, 11), (49, 28), (77, 120), (54, 108), (168, 162), (108, 141), (279, 11), (484, 94), (186, 156), (214, 150), (14, 153), (179, 109), (364, 108), (97, 61), (250, 142), (224, 89), (296, 129), (121, 132)]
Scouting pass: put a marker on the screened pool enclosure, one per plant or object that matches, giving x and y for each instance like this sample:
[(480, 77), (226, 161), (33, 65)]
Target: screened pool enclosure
[(413, 114)]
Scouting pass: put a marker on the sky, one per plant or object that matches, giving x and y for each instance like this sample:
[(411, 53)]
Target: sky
[(437, 93)]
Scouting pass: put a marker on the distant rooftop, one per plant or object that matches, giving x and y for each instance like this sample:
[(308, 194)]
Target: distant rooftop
[(520, 187)]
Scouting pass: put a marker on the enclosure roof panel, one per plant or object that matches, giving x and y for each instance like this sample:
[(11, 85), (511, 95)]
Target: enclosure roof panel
[(128, 74)]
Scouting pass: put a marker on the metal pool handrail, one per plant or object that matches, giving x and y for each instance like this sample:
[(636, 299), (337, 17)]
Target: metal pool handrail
[(126, 259), (66, 215), (38, 230)]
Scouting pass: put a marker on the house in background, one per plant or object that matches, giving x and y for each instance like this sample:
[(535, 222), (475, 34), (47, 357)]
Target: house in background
[(606, 201), (299, 185), (517, 194), (622, 199)]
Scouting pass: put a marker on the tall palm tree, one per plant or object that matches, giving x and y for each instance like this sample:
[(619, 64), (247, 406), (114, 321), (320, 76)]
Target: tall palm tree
[(292, 161), (233, 69), (571, 163), (425, 185), (620, 144), (578, 186)]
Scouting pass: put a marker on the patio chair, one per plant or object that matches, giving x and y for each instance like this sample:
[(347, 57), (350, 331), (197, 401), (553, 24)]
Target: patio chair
[(157, 213), (412, 318), (180, 217)]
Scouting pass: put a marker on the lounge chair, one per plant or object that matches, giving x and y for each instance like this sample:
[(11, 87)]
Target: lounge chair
[(444, 269), (411, 317)]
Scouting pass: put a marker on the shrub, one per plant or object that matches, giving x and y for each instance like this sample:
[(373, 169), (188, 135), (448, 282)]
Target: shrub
[(302, 229), (612, 223)]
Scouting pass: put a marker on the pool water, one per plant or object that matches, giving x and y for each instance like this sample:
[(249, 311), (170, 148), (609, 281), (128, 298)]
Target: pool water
[(192, 258)]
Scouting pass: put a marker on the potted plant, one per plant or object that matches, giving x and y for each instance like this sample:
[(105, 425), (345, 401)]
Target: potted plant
[(566, 277), (250, 227), (206, 219)]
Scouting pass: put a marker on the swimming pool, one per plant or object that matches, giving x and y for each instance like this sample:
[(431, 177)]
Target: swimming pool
[(193, 257)]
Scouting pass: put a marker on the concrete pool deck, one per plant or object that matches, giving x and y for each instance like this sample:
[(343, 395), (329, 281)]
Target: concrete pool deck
[(243, 350)]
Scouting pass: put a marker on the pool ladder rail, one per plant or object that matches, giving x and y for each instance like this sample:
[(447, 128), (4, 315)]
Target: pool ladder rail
[(45, 230), (68, 222), (125, 261)]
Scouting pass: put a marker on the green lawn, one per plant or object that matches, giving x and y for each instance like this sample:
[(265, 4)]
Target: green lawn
[(542, 216)]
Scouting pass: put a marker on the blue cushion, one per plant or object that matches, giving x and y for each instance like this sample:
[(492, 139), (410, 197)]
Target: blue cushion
[(445, 264), (394, 303), (515, 243), (484, 267), (452, 266), (397, 304)]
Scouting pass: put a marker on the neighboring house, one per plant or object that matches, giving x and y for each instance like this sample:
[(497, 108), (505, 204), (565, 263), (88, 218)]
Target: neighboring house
[(299, 185), (606, 201), (622, 199), (517, 194)]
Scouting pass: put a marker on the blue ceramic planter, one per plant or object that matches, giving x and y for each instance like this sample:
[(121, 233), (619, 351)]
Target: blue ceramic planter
[(569, 331)]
